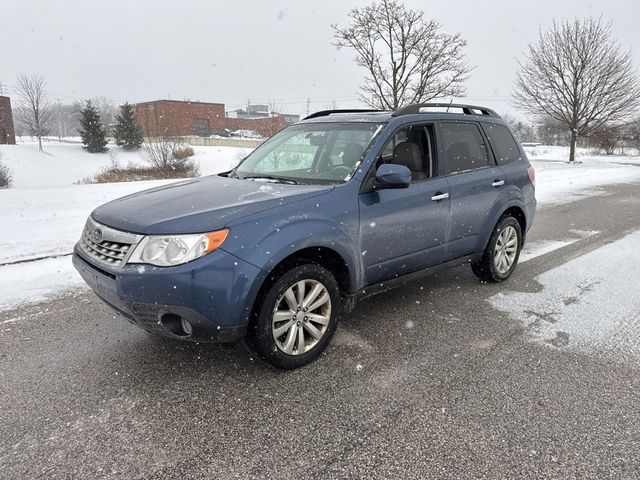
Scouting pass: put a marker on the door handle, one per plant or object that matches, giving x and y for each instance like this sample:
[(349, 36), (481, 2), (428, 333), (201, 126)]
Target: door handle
[(440, 196), (497, 183)]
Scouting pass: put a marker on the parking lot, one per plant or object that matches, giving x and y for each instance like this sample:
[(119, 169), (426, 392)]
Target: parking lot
[(434, 380)]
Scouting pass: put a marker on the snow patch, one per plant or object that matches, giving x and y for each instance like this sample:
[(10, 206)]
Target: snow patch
[(537, 249), (589, 303), (35, 281)]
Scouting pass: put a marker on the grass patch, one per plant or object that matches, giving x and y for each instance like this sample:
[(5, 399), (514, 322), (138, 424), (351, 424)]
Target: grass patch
[(136, 173)]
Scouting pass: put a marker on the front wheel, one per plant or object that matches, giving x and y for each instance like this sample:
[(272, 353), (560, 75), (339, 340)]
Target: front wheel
[(502, 253), (297, 317)]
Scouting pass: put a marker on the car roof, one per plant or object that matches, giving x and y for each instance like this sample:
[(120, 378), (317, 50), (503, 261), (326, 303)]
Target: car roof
[(385, 117), (410, 113), (373, 117)]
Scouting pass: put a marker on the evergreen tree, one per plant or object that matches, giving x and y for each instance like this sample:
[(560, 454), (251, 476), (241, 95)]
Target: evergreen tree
[(127, 131), (91, 130)]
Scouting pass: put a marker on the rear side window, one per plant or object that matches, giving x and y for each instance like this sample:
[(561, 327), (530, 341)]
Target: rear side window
[(463, 147), (503, 143)]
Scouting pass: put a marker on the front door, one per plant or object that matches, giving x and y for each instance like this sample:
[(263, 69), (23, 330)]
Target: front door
[(404, 230)]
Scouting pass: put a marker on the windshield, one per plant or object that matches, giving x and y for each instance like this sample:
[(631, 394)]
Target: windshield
[(310, 153)]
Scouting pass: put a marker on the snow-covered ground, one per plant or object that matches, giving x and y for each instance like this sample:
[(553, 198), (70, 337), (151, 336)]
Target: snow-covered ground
[(585, 303), (559, 182), (43, 214)]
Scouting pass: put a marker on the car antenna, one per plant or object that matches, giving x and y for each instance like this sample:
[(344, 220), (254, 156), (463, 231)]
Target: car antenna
[(449, 106)]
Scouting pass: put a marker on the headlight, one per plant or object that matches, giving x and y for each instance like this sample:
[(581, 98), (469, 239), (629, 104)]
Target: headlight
[(168, 250)]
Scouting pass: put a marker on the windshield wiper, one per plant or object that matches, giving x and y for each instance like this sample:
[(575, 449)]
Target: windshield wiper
[(270, 177)]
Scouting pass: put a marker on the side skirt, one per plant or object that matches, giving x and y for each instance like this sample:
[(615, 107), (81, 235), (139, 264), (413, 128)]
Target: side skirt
[(352, 301)]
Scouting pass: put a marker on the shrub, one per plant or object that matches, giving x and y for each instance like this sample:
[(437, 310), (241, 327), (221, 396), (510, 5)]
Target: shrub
[(6, 175), (136, 173), (182, 153), (169, 155), (606, 139)]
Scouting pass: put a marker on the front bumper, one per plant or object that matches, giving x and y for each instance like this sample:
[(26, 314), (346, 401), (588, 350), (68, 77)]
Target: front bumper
[(213, 294)]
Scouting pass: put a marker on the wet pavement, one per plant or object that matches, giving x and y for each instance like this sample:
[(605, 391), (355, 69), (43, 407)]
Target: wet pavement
[(429, 381)]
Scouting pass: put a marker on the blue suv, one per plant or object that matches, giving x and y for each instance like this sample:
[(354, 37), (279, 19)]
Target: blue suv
[(337, 207)]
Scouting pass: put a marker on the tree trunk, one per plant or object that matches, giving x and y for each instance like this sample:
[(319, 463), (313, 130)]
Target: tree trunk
[(40, 143), (572, 149)]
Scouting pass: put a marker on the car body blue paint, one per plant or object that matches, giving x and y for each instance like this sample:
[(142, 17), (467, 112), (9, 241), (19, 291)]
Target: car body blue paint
[(380, 234), (403, 230), (200, 205), (327, 221)]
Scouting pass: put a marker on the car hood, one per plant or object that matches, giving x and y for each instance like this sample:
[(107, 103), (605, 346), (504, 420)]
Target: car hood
[(201, 205)]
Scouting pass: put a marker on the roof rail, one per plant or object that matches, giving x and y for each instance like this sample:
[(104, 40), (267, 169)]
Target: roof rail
[(466, 109), (325, 113)]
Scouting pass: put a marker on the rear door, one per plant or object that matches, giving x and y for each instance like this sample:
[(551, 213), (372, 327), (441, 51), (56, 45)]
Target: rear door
[(475, 181), (403, 230), (512, 161)]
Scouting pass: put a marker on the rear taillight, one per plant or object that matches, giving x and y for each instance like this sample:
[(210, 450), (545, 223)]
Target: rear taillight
[(532, 175)]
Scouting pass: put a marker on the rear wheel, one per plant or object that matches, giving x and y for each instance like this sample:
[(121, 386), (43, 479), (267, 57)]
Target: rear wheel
[(502, 253), (297, 318)]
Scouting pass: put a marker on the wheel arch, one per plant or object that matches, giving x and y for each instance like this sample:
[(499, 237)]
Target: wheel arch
[(513, 209), (323, 256), (517, 213)]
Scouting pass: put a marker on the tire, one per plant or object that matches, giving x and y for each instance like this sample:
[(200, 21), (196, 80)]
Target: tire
[(282, 332), (499, 261)]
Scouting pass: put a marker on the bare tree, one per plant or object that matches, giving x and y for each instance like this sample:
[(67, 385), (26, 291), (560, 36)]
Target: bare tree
[(407, 58), (577, 74), (106, 108), (632, 131), (34, 110), (551, 132), (607, 138), (523, 130)]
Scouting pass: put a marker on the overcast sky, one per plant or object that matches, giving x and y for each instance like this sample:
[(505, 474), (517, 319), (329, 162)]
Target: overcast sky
[(257, 50)]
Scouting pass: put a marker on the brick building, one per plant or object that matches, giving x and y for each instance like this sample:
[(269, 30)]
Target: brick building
[(172, 117), (7, 132)]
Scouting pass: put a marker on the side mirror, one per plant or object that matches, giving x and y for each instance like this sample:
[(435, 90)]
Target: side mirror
[(390, 175)]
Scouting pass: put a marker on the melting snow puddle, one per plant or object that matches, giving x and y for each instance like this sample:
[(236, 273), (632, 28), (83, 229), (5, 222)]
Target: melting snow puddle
[(589, 303)]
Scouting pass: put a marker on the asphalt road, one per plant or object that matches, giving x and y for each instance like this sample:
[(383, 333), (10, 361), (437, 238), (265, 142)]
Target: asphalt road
[(428, 381)]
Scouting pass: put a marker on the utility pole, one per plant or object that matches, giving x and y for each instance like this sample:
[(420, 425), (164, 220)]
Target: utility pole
[(1, 89), (308, 105)]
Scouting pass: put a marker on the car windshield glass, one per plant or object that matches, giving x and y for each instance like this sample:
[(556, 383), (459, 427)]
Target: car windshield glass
[(310, 153)]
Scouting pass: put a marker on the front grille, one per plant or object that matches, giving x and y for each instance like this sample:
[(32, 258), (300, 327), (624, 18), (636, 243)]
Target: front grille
[(112, 253), (107, 246)]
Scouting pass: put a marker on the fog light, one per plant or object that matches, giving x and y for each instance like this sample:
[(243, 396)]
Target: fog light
[(186, 326)]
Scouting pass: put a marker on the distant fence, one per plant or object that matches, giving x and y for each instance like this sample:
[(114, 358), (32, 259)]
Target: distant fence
[(222, 142)]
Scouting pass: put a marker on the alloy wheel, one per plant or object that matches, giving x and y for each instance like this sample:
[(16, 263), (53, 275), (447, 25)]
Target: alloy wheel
[(506, 250), (301, 317)]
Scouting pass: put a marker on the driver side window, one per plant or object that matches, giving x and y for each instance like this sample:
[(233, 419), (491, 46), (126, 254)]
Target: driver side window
[(412, 147)]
